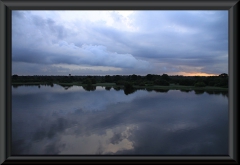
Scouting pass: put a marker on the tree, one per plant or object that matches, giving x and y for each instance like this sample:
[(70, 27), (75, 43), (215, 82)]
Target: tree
[(149, 77), (108, 78), (200, 84), (134, 77), (128, 85), (87, 81), (116, 78), (93, 81), (161, 82), (187, 82), (15, 76), (165, 77), (223, 75)]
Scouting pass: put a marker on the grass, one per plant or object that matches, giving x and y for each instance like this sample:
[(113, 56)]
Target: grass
[(170, 87)]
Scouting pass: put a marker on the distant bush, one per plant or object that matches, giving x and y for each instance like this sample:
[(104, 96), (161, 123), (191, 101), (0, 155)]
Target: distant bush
[(87, 81), (165, 77), (93, 81), (187, 82), (161, 82), (141, 84), (120, 82), (15, 76), (128, 85), (211, 83), (200, 84)]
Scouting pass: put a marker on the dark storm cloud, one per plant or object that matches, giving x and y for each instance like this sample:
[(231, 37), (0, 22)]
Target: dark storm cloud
[(185, 34), (49, 26), (47, 50), (136, 42), (53, 148), (28, 56)]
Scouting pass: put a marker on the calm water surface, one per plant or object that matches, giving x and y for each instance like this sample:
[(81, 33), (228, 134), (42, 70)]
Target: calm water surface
[(57, 121)]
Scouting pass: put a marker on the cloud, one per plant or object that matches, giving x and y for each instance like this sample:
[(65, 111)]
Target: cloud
[(94, 55), (133, 41)]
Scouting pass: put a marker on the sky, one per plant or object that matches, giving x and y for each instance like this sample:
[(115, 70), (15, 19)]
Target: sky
[(120, 42)]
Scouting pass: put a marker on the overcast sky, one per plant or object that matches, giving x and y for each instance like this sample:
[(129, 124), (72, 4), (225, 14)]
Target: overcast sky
[(119, 42)]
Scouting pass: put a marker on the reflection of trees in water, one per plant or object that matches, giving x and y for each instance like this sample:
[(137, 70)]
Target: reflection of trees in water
[(66, 87), (223, 93), (149, 90), (128, 91), (161, 90), (128, 88), (89, 88), (185, 90), (32, 85), (199, 92), (157, 90), (108, 88), (15, 86), (117, 88), (210, 92), (132, 90)]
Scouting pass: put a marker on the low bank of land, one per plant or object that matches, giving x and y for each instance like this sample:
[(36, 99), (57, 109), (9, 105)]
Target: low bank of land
[(131, 82)]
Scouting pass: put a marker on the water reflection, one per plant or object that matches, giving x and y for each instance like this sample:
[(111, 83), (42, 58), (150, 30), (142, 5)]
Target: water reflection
[(199, 92), (149, 89), (56, 121), (185, 90), (32, 85), (117, 88), (128, 91), (66, 87), (89, 88), (108, 88), (161, 90)]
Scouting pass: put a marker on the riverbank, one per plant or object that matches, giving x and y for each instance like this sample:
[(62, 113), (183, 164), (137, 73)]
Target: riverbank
[(113, 85)]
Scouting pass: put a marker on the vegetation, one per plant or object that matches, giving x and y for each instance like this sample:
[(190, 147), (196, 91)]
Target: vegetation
[(129, 82), (200, 84)]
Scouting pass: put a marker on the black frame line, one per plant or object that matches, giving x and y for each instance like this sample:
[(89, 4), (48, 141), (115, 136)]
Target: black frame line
[(6, 6)]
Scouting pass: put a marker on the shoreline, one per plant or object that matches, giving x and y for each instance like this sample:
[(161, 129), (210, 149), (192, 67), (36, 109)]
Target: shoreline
[(113, 85)]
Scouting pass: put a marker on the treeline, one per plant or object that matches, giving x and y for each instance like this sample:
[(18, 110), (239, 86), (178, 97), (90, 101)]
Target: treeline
[(130, 80)]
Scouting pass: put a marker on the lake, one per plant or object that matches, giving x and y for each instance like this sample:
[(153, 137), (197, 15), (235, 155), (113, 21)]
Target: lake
[(76, 121)]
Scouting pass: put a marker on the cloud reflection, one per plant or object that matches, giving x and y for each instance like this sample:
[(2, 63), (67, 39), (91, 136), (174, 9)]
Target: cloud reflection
[(143, 123), (112, 141)]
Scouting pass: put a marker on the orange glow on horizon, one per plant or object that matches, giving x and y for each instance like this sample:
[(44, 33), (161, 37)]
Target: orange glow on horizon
[(193, 74)]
